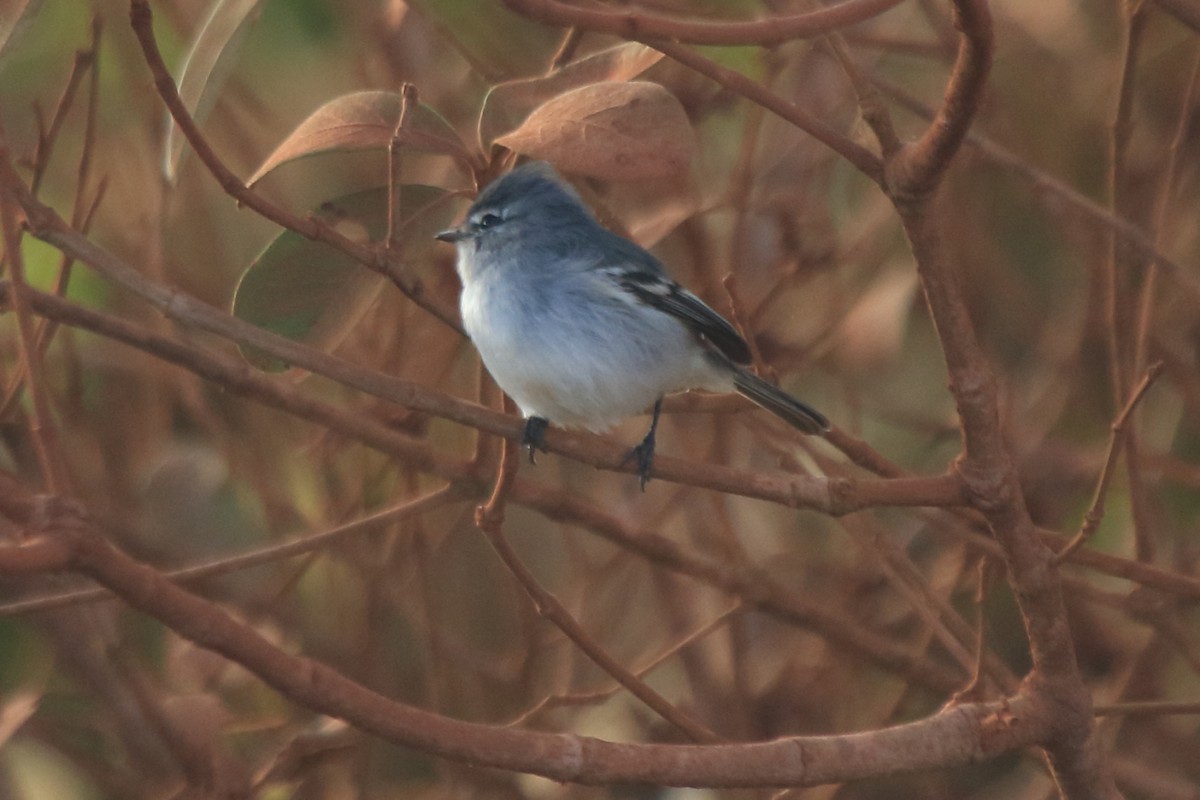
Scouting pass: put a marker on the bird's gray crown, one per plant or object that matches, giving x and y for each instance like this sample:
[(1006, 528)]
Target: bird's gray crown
[(531, 190)]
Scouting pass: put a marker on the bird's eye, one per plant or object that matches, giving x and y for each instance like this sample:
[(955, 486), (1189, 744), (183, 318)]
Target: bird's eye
[(488, 220)]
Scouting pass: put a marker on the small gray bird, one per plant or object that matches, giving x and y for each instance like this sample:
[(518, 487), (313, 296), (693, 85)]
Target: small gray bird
[(583, 328)]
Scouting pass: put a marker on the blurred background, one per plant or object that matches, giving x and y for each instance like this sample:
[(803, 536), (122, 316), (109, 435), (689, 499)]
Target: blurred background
[(758, 621)]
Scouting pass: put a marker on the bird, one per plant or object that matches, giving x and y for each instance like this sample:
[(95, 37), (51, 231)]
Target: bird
[(583, 328)]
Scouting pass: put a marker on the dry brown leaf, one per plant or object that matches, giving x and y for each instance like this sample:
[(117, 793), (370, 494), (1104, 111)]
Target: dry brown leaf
[(362, 121), (17, 709), (613, 130), (873, 331), (507, 104)]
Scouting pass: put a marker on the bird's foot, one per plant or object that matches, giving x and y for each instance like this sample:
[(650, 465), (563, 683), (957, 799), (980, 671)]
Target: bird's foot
[(534, 436), (643, 455)]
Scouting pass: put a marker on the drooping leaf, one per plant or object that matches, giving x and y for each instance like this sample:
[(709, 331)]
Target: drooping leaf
[(873, 330), (632, 130), (208, 64), (498, 43), (362, 121), (16, 709), (15, 20), (509, 103), (312, 292)]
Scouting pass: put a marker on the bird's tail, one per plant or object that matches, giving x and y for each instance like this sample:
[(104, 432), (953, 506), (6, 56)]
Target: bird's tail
[(779, 402)]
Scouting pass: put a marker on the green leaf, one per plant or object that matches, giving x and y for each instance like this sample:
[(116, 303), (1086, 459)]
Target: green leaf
[(314, 293)]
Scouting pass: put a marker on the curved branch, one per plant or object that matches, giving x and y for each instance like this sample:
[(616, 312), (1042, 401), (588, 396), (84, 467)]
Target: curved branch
[(960, 735), (918, 168), (638, 25)]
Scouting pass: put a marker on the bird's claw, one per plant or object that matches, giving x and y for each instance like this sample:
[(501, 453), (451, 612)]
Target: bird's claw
[(534, 436), (643, 455)]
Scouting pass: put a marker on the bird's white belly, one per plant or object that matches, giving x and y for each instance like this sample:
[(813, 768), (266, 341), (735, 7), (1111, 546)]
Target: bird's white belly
[(580, 365)]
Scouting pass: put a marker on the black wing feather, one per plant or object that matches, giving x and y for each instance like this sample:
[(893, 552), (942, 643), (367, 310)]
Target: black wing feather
[(668, 296), (643, 276)]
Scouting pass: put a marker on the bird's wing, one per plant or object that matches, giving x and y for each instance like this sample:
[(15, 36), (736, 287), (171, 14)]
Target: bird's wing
[(640, 274)]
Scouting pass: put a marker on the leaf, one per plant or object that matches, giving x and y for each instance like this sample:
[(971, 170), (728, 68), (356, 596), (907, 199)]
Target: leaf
[(498, 43), (310, 291), (507, 104), (362, 121), (873, 330), (208, 64), (15, 20), (17, 709), (618, 131)]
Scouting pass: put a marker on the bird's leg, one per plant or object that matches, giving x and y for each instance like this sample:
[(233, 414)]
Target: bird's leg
[(534, 436), (644, 452)]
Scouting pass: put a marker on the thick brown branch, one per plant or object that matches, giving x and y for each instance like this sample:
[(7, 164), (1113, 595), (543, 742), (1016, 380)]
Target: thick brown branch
[(918, 168), (985, 465), (960, 735)]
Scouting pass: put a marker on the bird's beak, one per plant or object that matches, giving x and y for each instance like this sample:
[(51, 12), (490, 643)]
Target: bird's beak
[(453, 234)]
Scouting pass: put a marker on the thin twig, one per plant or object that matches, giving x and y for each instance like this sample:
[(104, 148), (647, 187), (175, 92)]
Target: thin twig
[(303, 545), (599, 695), (1146, 708), (408, 101), (1092, 519), (870, 99), (490, 519), (41, 423), (48, 136)]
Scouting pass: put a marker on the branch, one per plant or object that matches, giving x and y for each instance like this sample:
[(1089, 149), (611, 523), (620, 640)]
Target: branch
[(833, 495), (1185, 11), (236, 377), (42, 431), (1130, 234), (919, 167), (490, 520), (382, 520), (964, 734), (985, 465), (639, 25), (1091, 520)]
